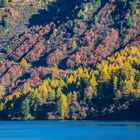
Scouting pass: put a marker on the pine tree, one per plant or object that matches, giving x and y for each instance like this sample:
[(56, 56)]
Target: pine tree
[(129, 22), (5, 23), (95, 19), (133, 5), (25, 109), (3, 3)]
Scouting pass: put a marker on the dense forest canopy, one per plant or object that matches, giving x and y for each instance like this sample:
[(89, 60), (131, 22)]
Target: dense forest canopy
[(67, 59)]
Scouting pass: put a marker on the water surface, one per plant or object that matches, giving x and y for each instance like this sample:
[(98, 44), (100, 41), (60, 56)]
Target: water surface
[(69, 130)]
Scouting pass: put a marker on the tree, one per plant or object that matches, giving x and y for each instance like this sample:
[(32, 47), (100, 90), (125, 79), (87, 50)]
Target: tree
[(62, 105), (74, 44), (1, 91), (105, 75), (91, 89), (70, 25), (81, 14), (115, 83), (3, 3), (55, 71), (78, 58), (88, 92), (5, 23), (121, 26), (133, 5), (24, 62), (1, 105), (138, 88), (127, 87), (26, 88), (25, 109), (55, 30), (118, 95), (52, 95), (95, 19), (129, 22)]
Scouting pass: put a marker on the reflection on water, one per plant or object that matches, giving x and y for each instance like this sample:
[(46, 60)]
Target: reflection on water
[(69, 130)]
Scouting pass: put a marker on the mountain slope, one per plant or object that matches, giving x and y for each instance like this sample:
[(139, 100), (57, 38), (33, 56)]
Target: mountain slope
[(81, 63)]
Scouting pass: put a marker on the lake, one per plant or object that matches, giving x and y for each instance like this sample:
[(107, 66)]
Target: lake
[(69, 130)]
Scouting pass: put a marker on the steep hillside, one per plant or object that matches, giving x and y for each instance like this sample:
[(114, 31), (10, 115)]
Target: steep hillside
[(71, 60)]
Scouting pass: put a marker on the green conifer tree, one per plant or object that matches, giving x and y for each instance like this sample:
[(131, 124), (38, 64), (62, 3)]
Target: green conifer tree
[(25, 109)]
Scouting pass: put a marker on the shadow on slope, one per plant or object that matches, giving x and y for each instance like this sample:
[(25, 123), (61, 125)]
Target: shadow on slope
[(58, 10)]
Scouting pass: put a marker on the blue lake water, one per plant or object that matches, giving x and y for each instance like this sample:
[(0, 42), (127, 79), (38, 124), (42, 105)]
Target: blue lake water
[(69, 130)]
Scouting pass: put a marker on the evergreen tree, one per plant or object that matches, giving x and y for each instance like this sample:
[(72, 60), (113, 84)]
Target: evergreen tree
[(25, 109), (5, 23), (133, 5), (95, 19), (129, 22), (3, 3)]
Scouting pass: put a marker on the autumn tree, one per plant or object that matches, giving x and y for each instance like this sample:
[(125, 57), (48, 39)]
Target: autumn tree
[(1, 105), (138, 88), (52, 95), (26, 88), (115, 83), (74, 44), (62, 105), (91, 89), (55, 71), (24, 62), (127, 87), (2, 91)]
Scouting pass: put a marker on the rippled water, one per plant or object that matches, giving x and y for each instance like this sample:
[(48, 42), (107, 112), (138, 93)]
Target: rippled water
[(69, 130)]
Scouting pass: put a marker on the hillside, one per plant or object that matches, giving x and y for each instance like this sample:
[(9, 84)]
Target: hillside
[(70, 59)]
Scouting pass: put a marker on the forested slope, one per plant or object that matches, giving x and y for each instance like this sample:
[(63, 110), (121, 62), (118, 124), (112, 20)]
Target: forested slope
[(79, 60)]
